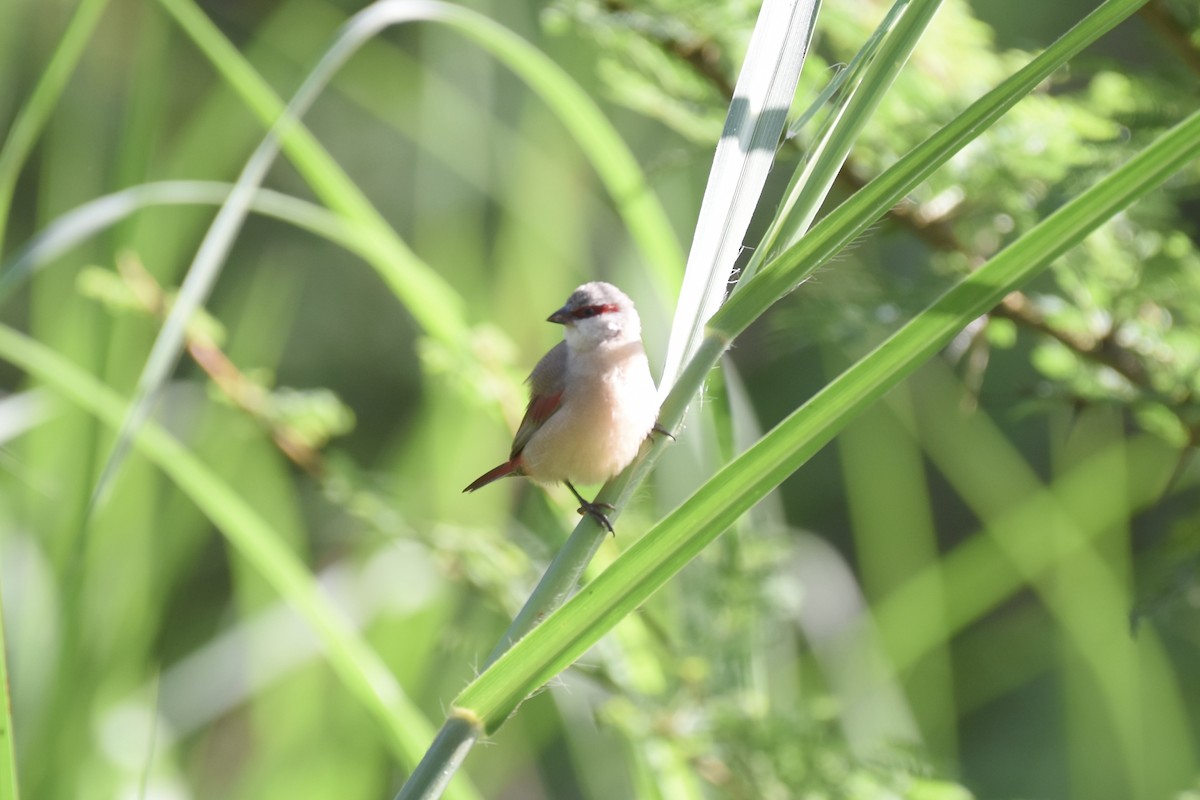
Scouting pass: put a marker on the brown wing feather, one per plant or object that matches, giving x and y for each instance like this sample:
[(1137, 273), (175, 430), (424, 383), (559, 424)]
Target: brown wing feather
[(546, 384)]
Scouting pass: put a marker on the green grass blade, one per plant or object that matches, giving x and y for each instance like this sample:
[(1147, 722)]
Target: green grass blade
[(76, 226), (9, 789), (356, 664), (654, 559), (745, 153), (33, 115)]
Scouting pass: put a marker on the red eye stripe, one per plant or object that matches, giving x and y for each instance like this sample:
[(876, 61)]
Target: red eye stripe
[(591, 311)]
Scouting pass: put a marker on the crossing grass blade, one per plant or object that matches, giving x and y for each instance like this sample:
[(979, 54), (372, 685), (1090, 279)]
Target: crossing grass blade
[(78, 225), (745, 154), (27, 126)]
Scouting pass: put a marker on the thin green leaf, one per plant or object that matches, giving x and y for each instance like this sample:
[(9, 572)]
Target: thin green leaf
[(761, 100), (9, 788), (77, 225), (36, 111)]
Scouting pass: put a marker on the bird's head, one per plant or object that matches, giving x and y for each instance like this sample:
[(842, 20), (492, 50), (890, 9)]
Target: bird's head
[(598, 314)]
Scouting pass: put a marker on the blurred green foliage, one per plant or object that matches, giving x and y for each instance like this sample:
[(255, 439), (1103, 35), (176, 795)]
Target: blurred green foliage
[(864, 634)]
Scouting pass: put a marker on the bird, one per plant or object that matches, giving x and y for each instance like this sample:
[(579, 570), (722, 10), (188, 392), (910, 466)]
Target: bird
[(592, 400)]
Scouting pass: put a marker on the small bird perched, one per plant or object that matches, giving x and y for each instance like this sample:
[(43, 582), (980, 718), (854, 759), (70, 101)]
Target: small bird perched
[(592, 401)]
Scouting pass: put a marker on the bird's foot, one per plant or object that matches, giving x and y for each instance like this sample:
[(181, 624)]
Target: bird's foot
[(597, 512), (658, 428), (595, 509)]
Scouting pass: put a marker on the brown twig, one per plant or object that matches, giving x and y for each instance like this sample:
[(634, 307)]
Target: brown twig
[(702, 55), (243, 392), (1173, 31)]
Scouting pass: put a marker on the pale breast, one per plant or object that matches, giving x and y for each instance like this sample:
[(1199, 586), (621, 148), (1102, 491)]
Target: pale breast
[(604, 418)]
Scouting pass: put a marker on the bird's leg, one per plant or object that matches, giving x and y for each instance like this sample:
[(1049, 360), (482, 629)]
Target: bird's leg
[(595, 509), (658, 428)]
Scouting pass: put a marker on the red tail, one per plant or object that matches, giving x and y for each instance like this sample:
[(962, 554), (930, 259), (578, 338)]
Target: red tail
[(510, 467)]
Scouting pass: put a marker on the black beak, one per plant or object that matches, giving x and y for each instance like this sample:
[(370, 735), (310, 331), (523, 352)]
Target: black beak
[(561, 317)]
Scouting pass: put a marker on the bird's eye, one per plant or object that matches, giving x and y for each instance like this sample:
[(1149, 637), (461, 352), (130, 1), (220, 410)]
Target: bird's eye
[(591, 311)]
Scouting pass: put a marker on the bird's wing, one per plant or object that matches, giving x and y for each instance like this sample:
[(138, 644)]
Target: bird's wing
[(546, 384)]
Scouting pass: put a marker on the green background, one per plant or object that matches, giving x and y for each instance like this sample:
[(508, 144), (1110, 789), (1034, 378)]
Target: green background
[(909, 614)]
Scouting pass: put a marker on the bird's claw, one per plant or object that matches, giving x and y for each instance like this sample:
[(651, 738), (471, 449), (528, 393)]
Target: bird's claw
[(658, 428), (596, 510)]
